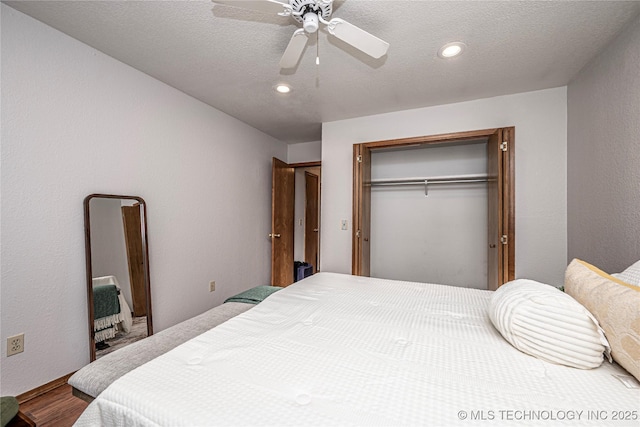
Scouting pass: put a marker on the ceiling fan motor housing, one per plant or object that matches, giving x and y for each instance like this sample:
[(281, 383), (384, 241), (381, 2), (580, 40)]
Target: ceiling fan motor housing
[(307, 12), (310, 22)]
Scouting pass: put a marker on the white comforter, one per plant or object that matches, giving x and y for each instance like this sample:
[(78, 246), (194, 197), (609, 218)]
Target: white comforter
[(343, 350)]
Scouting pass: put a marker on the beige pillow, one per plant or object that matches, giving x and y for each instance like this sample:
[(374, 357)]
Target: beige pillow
[(615, 304)]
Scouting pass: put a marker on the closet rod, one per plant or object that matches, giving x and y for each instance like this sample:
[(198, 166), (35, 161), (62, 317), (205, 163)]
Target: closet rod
[(460, 179)]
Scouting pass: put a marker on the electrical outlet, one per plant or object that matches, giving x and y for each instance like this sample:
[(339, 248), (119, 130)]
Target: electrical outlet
[(212, 286), (15, 344)]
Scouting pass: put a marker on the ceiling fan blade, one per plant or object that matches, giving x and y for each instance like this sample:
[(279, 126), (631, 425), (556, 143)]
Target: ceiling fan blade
[(267, 6), (358, 38), (294, 49)]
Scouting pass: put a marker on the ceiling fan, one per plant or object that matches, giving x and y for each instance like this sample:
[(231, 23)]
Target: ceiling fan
[(312, 13)]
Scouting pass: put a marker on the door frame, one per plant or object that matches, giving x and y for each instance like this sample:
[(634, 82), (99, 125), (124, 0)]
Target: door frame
[(274, 280), (311, 237), (505, 225), (313, 164)]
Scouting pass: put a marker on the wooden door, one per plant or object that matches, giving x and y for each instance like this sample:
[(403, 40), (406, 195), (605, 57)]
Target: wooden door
[(282, 223), (135, 259), (501, 237), (495, 191), (508, 256), (361, 246), (311, 219)]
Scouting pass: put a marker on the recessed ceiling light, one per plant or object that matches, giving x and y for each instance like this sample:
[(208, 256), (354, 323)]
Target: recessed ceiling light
[(283, 88), (450, 50)]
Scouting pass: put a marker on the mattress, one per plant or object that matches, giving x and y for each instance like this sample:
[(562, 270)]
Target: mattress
[(343, 350), (94, 378)]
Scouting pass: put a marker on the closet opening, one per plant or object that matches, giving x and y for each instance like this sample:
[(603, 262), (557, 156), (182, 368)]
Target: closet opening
[(436, 209)]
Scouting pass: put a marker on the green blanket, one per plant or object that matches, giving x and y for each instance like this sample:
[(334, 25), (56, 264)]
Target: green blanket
[(105, 301), (254, 295), (9, 409)]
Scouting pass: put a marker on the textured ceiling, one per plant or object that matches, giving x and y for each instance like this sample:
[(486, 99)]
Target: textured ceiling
[(228, 57)]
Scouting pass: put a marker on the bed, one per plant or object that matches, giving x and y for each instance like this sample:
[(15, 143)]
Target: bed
[(88, 382), (336, 349)]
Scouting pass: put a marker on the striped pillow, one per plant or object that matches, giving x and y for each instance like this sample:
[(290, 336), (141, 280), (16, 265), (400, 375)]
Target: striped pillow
[(630, 275), (544, 322)]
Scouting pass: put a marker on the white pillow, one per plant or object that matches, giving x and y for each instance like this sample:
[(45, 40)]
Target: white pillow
[(631, 275), (544, 322)]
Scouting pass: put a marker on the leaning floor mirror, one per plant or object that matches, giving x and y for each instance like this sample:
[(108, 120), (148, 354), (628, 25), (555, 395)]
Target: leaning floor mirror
[(117, 259)]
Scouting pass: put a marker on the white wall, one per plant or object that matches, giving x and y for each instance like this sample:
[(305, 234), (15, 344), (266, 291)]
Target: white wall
[(441, 238), (540, 120), (604, 156), (75, 122), (304, 152)]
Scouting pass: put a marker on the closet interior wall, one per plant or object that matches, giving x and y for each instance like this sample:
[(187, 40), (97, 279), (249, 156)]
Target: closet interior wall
[(439, 238)]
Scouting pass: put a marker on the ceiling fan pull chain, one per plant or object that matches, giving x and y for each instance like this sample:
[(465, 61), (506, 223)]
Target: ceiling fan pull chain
[(317, 47)]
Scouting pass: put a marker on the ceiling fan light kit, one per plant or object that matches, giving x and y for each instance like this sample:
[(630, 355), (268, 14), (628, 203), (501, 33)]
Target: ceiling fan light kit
[(321, 8), (310, 22), (312, 13)]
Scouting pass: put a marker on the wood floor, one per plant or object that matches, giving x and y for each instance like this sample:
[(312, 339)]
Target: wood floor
[(57, 407)]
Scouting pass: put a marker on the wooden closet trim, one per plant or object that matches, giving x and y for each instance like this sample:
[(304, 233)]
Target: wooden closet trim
[(361, 215), (430, 139), (305, 164)]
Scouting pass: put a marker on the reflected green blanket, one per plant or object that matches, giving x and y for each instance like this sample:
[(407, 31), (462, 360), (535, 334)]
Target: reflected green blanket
[(105, 301), (106, 312), (254, 295)]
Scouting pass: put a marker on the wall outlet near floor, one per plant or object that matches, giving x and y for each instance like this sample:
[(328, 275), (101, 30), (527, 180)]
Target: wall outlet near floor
[(15, 344), (212, 286)]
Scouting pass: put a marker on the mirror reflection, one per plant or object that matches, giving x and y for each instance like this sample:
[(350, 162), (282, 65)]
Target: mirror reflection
[(117, 272)]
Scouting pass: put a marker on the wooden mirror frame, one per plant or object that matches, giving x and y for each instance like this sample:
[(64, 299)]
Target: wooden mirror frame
[(89, 268)]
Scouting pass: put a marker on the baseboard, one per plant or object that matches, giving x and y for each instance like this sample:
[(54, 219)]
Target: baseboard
[(39, 391)]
